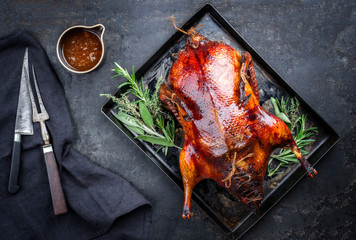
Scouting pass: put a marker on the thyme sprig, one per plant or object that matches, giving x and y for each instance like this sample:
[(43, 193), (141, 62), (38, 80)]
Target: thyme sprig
[(302, 135), (143, 115), (288, 107)]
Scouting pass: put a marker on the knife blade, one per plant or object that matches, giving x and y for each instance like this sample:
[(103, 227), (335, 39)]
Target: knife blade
[(23, 126)]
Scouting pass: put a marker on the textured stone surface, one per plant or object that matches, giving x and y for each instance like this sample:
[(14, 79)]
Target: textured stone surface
[(310, 43)]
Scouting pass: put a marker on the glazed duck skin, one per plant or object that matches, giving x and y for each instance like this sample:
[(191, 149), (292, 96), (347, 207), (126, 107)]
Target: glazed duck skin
[(228, 137)]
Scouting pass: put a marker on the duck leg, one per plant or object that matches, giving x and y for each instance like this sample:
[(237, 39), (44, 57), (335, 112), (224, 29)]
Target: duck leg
[(286, 141), (306, 165), (190, 174)]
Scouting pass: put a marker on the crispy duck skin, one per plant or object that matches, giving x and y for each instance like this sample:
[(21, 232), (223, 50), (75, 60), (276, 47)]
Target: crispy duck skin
[(228, 137)]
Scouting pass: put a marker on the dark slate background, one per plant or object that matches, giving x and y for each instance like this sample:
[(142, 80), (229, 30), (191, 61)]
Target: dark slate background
[(311, 44)]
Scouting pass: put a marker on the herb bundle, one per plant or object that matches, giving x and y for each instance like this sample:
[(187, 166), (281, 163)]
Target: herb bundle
[(143, 115), (288, 111)]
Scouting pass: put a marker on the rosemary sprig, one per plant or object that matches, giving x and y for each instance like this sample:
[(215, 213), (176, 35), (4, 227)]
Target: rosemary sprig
[(140, 91), (143, 115), (302, 135)]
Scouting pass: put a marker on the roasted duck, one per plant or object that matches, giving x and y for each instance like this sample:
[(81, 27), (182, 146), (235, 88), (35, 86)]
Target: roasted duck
[(228, 137)]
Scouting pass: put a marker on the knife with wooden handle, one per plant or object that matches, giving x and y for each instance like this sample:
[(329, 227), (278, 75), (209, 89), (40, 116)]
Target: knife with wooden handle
[(23, 126)]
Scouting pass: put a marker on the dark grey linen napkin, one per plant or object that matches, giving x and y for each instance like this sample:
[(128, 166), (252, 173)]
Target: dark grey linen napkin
[(102, 205)]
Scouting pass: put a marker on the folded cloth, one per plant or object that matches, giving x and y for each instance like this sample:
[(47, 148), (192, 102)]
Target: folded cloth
[(102, 205)]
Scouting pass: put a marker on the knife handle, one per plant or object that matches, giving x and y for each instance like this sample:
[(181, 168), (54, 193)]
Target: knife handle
[(58, 200), (15, 165)]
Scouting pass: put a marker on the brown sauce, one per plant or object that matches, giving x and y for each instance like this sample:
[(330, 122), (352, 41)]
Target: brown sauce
[(81, 49)]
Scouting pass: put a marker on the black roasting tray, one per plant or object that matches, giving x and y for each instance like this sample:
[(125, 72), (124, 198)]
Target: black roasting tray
[(232, 216)]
